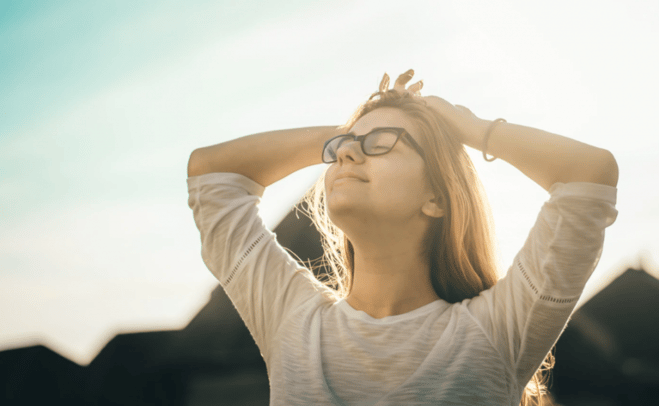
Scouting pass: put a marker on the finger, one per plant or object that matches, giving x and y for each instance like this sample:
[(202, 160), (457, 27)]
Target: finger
[(416, 88), (403, 79), (384, 84)]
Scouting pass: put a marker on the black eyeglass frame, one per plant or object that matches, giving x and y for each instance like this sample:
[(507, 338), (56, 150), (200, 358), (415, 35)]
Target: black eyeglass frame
[(398, 130)]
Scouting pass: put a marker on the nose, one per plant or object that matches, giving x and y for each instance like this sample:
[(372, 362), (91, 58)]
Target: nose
[(350, 150)]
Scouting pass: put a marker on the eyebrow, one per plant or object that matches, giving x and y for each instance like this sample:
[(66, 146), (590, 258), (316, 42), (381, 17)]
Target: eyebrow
[(367, 132), (404, 138), (373, 129)]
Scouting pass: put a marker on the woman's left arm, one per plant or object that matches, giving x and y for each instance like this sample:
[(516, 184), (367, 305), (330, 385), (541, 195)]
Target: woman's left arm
[(544, 157)]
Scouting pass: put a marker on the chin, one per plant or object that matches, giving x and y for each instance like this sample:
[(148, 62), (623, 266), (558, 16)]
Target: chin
[(346, 215), (337, 214), (339, 208)]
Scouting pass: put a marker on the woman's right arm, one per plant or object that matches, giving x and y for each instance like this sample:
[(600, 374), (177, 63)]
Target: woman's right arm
[(265, 157), (264, 282)]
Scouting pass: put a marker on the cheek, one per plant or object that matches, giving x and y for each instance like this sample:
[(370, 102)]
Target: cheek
[(402, 192), (404, 179)]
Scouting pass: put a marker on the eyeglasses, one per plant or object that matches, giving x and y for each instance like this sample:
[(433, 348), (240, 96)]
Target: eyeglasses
[(379, 141)]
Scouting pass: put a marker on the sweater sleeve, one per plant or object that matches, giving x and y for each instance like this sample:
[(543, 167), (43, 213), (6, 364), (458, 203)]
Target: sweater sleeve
[(264, 282), (526, 311)]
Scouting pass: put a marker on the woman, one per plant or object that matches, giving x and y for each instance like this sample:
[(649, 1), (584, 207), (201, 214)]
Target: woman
[(418, 314)]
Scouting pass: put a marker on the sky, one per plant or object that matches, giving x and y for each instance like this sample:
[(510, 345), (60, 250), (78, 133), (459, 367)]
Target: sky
[(101, 104)]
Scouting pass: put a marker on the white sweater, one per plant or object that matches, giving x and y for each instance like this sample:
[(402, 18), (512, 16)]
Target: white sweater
[(481, 351)]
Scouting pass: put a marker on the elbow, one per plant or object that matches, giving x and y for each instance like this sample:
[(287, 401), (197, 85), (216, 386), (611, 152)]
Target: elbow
[(594, 166), (607, 169), (194, 164)]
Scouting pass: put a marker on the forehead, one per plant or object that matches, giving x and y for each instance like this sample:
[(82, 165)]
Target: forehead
[(384, 117)]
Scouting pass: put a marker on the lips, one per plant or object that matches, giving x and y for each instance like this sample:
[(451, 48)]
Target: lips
[(349, 175)]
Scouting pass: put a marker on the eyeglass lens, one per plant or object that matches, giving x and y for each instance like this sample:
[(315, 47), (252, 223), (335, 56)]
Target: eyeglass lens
[(375, 143)]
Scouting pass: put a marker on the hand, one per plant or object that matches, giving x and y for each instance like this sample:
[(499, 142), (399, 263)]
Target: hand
[(460, 120), (402, 80)]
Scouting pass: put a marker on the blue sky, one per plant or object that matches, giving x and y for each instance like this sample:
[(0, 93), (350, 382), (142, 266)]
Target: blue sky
[(101, 105)]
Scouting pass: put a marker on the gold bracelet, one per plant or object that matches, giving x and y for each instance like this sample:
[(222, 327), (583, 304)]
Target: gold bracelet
[(487, 137)]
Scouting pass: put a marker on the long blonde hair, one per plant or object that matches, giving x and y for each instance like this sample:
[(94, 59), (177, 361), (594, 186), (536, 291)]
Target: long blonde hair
[(460, 245)]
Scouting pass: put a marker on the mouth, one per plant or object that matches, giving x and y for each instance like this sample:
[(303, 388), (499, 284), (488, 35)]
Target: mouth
[(349, 176)]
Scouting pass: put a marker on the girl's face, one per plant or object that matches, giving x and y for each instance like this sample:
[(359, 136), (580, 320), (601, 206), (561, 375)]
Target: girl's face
[(385, 188)]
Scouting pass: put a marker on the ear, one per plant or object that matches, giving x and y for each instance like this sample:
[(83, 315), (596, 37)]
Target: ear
[(432, 208)]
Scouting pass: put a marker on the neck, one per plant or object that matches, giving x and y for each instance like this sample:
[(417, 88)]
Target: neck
[(391, 275)]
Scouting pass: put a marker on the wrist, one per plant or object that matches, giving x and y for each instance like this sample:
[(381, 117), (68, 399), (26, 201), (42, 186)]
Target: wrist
[(474, 136), (486, 138)]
